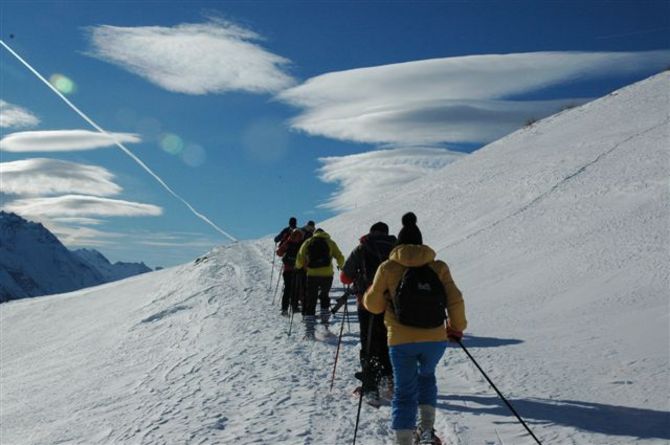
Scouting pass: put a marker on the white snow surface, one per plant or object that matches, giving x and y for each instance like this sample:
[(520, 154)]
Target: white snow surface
[(558, 236)]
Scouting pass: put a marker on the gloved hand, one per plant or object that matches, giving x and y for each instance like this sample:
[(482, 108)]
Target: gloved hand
[(454, 335)]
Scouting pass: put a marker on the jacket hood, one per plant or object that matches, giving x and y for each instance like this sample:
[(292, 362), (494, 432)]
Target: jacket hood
[(323, 235), (412, 255)]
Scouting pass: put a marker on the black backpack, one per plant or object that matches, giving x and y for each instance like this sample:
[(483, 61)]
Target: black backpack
[(420, 298), (291, 254), (375, 250), (318, 252)]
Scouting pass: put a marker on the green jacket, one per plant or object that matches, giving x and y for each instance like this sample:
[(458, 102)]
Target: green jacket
[(302, 261)]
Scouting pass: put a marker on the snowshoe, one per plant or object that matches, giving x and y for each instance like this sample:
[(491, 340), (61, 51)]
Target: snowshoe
[(369, 397), (427, 437)]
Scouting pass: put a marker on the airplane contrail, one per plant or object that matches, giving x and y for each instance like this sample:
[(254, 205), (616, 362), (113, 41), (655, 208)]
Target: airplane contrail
[(117, 143)]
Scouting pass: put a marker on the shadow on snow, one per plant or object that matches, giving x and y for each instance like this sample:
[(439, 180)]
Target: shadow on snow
[(471, 341), (595, 417)]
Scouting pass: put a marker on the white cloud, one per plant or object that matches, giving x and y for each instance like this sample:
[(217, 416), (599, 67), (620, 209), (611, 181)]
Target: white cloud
[(13, 116), (80, 221), (367, 177), (79, 206), (457, 99), (62, 140), (213, 57), (41, 176), (83, 236)]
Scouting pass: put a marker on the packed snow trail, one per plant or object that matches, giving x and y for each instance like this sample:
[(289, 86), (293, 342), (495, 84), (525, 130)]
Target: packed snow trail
[(196, 354)]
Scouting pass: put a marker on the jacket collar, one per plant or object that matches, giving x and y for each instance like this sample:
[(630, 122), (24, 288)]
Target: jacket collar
[(412, 255)]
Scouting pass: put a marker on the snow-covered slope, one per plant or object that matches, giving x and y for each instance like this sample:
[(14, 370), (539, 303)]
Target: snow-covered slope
[(34, 262), (109, 271), (557, 235)]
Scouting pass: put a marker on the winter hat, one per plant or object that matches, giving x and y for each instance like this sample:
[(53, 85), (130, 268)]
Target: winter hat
[(410, 233), (310, 226), (292, 222), (380, 227)]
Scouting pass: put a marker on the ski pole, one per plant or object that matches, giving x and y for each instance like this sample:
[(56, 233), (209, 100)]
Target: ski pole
[(366, 370), (358, 416), (274, 255), (337, 352), (509, 405), (293, 299), (274, 296)]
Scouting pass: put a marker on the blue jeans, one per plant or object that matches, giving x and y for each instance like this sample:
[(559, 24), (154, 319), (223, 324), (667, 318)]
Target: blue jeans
[(413, 380)]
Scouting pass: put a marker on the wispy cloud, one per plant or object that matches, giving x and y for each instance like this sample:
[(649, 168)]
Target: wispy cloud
[(368, 177), (42, 176), (213, 57), (83, 236), (13, 116), (79, 206), (457, 99), (62, 140), (79, 221)]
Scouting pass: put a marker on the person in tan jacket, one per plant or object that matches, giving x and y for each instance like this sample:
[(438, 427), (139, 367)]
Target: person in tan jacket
[(414, 351)]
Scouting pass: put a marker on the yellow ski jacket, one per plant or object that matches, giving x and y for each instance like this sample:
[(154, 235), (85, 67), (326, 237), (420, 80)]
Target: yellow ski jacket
[(378, 297), (302, 261)]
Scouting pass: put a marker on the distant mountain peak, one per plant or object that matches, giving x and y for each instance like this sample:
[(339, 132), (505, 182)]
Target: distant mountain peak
[(34, 262)]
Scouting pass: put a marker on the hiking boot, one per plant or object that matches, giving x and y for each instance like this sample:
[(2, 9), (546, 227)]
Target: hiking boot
[(404, 437), (372, 398), (426, 437), (325, 316), (284, 313), (309, 326)]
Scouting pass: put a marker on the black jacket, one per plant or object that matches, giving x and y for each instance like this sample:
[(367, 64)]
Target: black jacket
[(283, 234), (362, 263)]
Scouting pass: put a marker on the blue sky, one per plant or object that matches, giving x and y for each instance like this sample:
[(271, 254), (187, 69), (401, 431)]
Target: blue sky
[(256, 111)]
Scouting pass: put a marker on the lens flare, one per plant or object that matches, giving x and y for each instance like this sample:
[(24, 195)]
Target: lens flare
[(194, 155), (63, 84), (172, 143)]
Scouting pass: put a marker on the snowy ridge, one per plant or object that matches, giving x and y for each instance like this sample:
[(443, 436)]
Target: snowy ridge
[(557, 235), (109, 271), (34, 262)]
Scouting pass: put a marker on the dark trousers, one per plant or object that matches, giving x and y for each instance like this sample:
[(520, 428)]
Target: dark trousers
[(293, 287), (317, 288), (375, 361)]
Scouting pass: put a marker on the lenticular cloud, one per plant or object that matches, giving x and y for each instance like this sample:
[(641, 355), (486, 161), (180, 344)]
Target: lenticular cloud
[(79, 206), (213, 57), (367, 177), (13, 116), (41, 176), (62, 140), (449, 100)]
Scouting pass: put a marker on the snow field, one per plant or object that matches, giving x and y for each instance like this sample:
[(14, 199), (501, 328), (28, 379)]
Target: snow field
[(557, 235)]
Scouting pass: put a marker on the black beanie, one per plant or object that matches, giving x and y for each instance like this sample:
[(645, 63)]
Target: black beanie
[(410, 233), (380, 227), (292, 222)]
